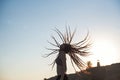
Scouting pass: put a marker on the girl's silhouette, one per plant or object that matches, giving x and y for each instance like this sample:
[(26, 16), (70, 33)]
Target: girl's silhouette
[(74, 50)]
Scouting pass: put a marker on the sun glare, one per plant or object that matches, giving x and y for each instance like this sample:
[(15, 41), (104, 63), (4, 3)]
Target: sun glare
[(104, 51)]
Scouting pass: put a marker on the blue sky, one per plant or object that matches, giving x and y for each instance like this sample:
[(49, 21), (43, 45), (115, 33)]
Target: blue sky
[(26, 25)]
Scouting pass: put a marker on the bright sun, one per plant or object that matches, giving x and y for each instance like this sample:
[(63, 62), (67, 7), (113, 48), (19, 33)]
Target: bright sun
[(104, 51)]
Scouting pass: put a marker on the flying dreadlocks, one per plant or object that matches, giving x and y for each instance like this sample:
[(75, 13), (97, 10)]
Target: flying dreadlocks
[(74, 50)]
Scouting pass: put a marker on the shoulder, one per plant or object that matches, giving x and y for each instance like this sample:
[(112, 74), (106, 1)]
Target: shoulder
[(61, 53)]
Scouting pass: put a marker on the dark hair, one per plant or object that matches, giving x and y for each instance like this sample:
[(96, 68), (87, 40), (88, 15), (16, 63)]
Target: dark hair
[(65, 47)]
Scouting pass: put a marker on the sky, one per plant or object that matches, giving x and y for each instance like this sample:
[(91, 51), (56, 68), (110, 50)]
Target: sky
[(26, 25)]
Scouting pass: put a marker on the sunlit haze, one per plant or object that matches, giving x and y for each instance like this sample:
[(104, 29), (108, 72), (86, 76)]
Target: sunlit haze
[(26, 25), (105, 51)]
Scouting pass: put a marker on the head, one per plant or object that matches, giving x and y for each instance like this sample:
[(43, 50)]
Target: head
[(65, 47)]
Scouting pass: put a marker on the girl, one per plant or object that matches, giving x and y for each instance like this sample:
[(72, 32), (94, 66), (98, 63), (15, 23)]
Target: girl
[(74, 50)]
